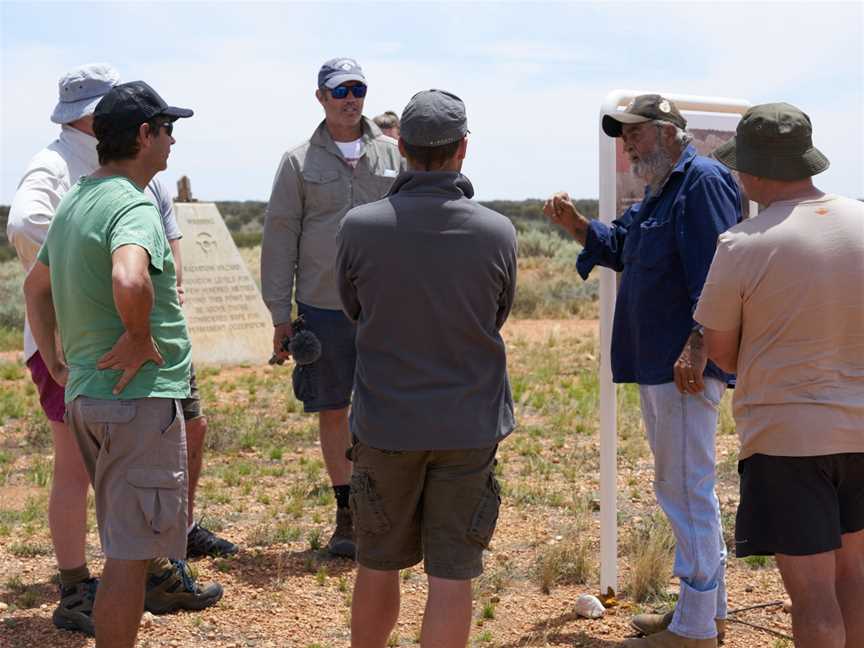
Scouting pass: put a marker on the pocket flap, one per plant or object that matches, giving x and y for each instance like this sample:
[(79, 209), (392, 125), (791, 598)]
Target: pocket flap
[(148, 477), (108, 411), (319, 176)]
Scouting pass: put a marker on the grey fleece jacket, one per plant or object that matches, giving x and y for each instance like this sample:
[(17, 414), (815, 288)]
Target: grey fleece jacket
[(429, 276)]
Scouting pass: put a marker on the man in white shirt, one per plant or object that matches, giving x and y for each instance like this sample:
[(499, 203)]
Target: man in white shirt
[(50, 174)]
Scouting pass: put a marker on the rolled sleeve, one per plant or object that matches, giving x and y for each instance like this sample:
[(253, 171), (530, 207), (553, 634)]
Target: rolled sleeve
[(712, 205), (720, 304), (281, 240)]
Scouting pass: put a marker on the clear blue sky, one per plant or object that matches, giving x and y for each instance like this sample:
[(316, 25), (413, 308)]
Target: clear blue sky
[(533, 76)]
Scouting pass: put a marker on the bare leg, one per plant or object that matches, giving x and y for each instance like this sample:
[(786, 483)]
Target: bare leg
[(447, 620), (850, 587), (67, 505), (374, 607), (196, 429), (335, 440), (119, 603), (817, 621)]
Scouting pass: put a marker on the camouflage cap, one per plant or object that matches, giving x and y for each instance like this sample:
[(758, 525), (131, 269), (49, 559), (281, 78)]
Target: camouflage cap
[(643, 108)]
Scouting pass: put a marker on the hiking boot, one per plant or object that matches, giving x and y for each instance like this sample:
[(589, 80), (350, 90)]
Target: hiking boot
[(666, 639), (648, 624), (342, 541), (176, 589), (203, 542), (75, 610)]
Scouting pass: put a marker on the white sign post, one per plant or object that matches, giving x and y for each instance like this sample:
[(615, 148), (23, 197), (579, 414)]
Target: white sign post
[(717, 116)]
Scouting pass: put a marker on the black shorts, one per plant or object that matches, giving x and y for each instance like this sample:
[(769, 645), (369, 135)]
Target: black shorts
[(192, 406), (327, 383), (798, 506)]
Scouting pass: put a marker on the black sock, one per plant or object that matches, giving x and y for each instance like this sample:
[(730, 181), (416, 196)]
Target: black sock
[(70, 577), (342, 492)]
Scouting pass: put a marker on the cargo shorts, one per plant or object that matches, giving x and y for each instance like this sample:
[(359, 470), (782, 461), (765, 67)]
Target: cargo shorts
[(438, 506), (135, 453)]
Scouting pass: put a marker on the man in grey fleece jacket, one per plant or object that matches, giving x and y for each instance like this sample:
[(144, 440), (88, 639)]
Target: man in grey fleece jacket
[(429, 276)]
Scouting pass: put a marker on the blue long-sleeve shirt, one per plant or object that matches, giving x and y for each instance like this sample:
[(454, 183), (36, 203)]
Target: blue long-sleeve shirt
[(663, 246)]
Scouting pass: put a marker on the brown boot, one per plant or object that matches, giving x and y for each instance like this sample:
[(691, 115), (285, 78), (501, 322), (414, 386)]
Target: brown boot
[(342, 541), (648, 624), (666, 639)]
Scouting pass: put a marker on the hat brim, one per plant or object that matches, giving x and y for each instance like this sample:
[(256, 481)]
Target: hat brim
[(613, 121), (69, 111), (339, 79), (774, 167), (177, 113)]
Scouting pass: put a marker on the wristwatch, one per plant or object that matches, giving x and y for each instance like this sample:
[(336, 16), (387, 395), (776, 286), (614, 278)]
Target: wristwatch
[(698, 328)]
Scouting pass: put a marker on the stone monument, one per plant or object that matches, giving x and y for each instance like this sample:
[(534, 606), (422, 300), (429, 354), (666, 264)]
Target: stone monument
[(227, 319)]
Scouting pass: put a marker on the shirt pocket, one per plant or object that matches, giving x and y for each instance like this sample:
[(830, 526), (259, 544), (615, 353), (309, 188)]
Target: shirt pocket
[(657, 244), (324, 190)]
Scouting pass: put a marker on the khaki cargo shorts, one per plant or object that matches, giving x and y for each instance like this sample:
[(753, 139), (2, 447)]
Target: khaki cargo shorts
[(439, 506), (135, 452)]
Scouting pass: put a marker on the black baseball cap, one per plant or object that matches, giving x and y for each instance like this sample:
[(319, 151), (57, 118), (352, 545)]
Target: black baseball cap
[(647, 107), (129, 105)]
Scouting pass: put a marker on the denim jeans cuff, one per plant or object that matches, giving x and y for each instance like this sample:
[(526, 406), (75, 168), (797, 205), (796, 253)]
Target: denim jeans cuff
[(695, 613)]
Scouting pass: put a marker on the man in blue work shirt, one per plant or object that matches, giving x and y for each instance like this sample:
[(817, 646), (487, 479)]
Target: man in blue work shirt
[(663, 247)]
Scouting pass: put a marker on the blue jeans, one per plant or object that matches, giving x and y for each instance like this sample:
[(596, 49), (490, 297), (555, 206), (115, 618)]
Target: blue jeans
[(681, 431)]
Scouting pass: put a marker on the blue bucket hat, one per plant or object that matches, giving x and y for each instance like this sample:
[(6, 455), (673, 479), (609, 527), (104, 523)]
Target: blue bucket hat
[(81, 89)]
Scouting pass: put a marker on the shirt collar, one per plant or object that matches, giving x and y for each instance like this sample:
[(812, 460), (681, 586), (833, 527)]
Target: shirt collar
[(81, 145), (321, 136), (432, 181)]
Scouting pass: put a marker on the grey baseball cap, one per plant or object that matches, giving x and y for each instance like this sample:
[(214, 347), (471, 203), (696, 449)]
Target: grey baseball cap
[(81, 89), (339, 70), (433, 118)]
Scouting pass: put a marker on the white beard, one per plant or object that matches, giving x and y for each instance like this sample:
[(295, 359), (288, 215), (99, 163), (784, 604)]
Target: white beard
[(653, 168)]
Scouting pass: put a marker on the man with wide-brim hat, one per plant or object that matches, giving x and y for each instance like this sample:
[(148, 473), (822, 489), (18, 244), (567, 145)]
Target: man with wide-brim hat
[(663, 247), (783, 307)]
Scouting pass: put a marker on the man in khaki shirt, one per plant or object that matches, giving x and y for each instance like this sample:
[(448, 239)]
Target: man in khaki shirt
[(347, 162), (783, 308)]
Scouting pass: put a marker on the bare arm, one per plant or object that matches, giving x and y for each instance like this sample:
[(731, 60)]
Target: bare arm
[(43, 319), (133, 297), (723, 348), (178, 267)]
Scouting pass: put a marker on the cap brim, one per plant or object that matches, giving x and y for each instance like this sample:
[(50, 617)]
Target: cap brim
[(612, 121), (339, 79), (177, 113), (65, 112)]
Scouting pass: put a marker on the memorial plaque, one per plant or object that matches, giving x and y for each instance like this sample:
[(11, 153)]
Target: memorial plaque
[(227, 319)]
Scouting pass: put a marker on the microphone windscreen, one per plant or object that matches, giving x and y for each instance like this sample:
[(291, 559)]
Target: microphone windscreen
[(305, 347)]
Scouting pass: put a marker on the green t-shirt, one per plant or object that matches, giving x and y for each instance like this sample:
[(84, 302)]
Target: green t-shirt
[(97, 216)]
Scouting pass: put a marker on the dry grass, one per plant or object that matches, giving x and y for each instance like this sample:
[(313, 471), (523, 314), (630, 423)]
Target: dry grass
[(649, 550)]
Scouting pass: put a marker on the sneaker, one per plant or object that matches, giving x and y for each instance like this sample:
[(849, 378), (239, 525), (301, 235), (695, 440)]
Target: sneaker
[(176, 589), (75, 611), (342, 541), (203, 542), (648, 624)]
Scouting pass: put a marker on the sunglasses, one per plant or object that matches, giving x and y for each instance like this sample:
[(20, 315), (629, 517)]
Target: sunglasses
[(340, 92), (168, 126)]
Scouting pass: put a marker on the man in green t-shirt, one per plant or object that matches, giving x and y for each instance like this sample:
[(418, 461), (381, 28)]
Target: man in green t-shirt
[(105, 277)]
